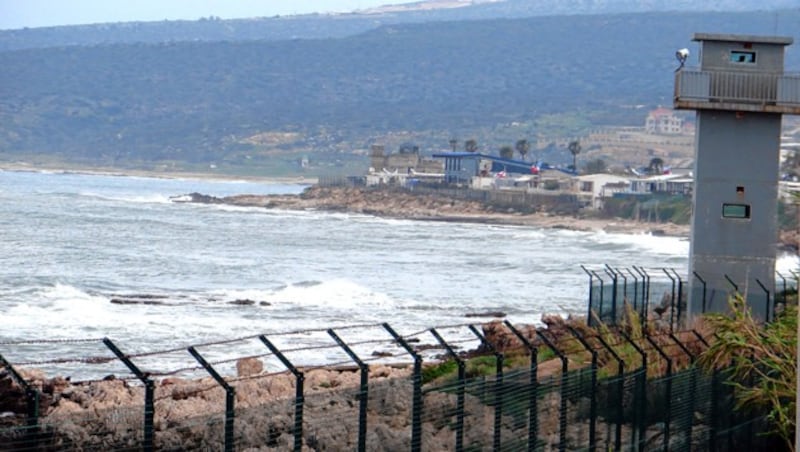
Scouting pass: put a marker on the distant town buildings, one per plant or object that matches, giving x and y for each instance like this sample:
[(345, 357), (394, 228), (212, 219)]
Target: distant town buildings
[(403, 161), (407, 167)]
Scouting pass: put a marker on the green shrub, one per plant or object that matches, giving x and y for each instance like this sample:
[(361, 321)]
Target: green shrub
[(762, 359), (439, 371)]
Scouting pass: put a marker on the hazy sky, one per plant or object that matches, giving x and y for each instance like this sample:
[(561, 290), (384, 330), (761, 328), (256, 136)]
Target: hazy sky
[(43, 13)]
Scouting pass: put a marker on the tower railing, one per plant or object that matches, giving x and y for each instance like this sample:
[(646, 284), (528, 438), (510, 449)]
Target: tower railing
[(737, 90)]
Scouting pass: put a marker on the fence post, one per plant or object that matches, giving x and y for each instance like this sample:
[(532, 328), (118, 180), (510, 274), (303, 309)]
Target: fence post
[(712, 428), (299, 399), (591, 288), (593, 397), (783, 297), (668, 397), (624, 285), (613, 292), (533, 387), (32, 402), (621, 389), (149, 389), (498, 387), (766, 291), (620, 273), (562, 421), (671, 300), (602, 295), (735, 287), (680, 295), (642, 409), (459, 391), (703, 281), (230, 397), (635, 289), (363, 396), (416, 408), (645, 292)]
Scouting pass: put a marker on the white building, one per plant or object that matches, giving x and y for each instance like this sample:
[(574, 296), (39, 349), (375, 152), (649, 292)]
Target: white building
[(663, 121), (675, 184), (600, 186)]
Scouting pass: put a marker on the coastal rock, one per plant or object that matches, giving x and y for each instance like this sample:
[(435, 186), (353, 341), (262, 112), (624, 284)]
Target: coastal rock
[(196, 197), (135, 301), (503, 339), (242, 302), (499, 314), (65, 408), (247, 367)]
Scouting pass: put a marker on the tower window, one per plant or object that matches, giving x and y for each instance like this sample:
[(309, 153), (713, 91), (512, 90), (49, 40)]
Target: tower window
[(741, 211), (738, 56)]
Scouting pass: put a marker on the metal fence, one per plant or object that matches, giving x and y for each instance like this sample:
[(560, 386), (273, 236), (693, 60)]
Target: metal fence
[(662, 294), (459, 387)]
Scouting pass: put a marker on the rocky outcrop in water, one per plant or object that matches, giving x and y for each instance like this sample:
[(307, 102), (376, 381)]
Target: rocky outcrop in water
[(397, 203)]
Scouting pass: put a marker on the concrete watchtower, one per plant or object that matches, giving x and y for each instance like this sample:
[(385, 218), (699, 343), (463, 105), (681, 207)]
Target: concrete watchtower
[(740, 93)]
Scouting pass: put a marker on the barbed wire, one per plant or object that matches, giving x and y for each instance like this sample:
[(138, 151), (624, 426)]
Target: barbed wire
[(86, 360), (248, 337), (439, 327), (370, 341), (50, 341)]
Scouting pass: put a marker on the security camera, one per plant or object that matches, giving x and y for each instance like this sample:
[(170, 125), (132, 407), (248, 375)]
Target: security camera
[(681, 55)]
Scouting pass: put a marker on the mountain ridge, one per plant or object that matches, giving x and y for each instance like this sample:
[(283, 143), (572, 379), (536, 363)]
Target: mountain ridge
[(333, 25), (206, 101)]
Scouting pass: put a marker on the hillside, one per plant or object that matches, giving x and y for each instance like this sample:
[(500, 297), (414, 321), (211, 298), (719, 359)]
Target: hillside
[(212, 101)]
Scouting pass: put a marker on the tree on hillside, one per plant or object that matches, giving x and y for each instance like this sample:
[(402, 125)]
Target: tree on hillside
[(471, 145), (507, 152), (656, 166), (453, 144), (408, 148), (595, 166), (523, 147), (574, 149)]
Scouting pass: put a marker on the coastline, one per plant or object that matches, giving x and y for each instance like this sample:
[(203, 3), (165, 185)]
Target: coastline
[(398, 206), (408, 206)]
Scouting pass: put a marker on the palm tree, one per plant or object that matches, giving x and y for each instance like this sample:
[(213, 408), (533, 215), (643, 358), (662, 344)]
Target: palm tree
[(471, 145), (575, 149), (507, 152), (453, 144), (523, 147), (656, 166)]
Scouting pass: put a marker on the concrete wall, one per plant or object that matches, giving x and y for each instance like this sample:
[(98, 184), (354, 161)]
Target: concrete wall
[(736, 163)]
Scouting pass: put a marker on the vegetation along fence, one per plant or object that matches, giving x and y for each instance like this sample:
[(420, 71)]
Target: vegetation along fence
[(468, 387), (661, 294)]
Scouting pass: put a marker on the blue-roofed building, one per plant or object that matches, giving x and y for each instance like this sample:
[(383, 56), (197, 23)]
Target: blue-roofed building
[(461, 167)]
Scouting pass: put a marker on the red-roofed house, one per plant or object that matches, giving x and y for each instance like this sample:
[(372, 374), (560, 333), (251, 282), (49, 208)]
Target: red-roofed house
[(663, 121)]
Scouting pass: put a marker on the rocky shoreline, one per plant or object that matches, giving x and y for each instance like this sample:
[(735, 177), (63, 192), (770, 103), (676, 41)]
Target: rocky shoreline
[(401, 204), (189, 413)]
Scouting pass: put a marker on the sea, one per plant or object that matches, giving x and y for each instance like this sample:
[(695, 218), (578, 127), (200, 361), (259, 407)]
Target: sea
[(210, 275)]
